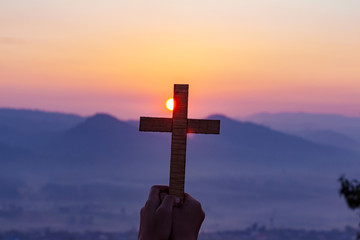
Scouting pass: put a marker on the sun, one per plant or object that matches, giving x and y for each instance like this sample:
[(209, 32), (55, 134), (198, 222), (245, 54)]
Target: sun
[(170, 104)]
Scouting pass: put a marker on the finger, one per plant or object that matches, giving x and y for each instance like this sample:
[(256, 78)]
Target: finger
[(154, 196), (163, 195), (155, 191), (188, 198), (168, 204), (190, 201), (186, 202)]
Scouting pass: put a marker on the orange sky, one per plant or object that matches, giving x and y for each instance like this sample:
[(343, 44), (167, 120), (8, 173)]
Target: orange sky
[(122, 57)]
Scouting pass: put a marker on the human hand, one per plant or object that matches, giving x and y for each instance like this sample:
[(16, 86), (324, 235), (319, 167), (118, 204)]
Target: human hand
[(187, 219), (156, 216)]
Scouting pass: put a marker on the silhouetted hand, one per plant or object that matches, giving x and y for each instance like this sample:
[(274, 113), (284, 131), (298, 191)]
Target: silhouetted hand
[(156, 216), (164, 218), (187, 220)]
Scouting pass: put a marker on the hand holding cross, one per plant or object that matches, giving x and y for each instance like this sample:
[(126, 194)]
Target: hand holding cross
[(179, 125)]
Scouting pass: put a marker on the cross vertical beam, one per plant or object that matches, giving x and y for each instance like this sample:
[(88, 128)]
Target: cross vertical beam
[(179, 125), (178, 141)]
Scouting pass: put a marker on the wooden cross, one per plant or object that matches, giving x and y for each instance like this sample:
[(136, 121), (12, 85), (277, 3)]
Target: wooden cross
[(179, 125)]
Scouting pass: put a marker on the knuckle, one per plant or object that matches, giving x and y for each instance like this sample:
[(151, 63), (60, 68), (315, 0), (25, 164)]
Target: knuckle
[(142, 211), (202, 214), (154, 187), (197, 205), (199, 209), (168, 198), (148, 204)]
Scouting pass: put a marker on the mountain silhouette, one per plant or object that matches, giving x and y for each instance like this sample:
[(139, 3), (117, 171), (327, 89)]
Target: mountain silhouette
[(252, 144), (104, 161), (328, 129)]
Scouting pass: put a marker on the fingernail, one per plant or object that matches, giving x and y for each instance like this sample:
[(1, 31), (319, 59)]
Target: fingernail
[(177, 200)]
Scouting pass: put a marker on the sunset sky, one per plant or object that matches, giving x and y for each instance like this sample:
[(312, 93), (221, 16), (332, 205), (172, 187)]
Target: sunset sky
[(123, 56)]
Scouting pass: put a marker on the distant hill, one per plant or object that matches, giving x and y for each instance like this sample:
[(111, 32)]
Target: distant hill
[(248, 173), (106, 146), (32, 127), (252, 144), (329, 129), (36, 120), (329, 137)]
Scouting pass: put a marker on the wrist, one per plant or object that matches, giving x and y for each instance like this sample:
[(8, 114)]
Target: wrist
[(146, 238), (184, 237)]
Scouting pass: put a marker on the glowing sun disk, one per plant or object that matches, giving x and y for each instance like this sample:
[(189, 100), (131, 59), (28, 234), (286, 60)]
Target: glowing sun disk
[(170, 104)]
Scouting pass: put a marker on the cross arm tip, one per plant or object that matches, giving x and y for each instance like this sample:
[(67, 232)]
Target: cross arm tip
[(152, 124)]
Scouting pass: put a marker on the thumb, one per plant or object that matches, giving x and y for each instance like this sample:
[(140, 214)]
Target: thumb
[(168, 204)]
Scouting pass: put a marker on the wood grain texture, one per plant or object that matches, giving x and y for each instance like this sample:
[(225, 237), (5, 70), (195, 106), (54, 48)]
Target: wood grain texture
[(151, 124), (179, 125), (178, 141), (203, 126)]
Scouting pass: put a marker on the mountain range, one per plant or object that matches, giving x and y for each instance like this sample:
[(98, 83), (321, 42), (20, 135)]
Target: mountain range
[(329, 129), (72, 172)]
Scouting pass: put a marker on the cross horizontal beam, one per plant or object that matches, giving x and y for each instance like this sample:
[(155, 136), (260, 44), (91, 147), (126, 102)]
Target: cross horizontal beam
[(179, 125), (203, 126), (154, 124)]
